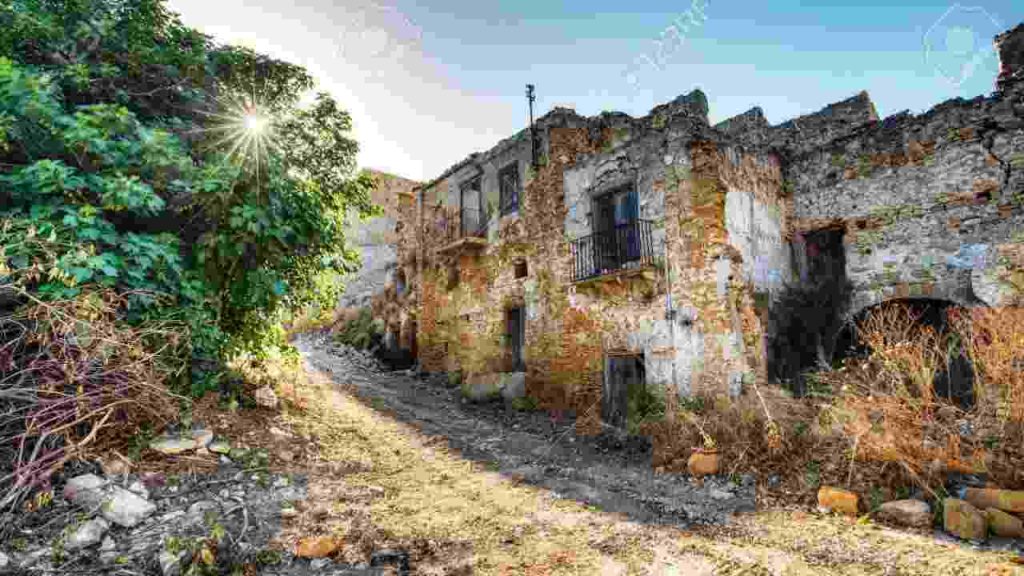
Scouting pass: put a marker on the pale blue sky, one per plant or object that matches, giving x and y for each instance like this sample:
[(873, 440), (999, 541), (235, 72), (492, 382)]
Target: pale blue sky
[(430, 81)]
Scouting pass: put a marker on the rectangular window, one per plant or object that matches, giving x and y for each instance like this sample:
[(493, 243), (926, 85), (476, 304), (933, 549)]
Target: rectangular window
[(508, 181)]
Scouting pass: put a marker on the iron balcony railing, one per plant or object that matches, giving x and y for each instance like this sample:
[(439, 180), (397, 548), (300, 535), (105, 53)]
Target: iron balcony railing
[(625, 246), (464, 223)]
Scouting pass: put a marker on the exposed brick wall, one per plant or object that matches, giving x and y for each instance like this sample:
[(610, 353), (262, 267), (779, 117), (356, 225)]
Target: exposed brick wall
[(725, 203)]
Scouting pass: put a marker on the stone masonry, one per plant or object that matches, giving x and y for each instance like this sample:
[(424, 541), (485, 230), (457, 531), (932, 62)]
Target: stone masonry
[(727, 220)]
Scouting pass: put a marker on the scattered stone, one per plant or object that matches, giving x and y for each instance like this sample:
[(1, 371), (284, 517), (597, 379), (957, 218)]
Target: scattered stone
[(197, 511), (219, 446), (913, 513), (317, 546), (202, 437), (963, 520), (320, 563), (238, 453), (266, 397), (703, 464), (837, 500), (126, 508), (286, 455), (114, 466), (4, 560), (107, 544), (513, 385), (1002, 524), (173, 445), (85, 491), (278, 432), (281, 482), (139, 488), (170, 564), (87, 534), (289, 512), (170, 516), (1006, 500), (32, 558)]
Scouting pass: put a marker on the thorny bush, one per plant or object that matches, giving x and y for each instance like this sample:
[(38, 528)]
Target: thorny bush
[(73, 379), (879, 424)]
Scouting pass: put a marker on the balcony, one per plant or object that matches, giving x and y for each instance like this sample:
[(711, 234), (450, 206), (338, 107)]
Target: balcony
[(625, 247), (463, 228)]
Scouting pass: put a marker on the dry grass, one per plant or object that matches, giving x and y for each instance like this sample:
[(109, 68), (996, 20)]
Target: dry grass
[(382, 483), (75, 381)]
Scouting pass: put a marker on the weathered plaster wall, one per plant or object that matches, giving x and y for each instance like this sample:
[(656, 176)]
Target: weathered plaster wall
[(732, 206), (924, 199)]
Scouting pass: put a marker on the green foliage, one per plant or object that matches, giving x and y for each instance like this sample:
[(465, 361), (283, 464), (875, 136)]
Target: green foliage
[(115, 174), (812, 473), (360, 332), (140, 441), (643, 404), (893, 214), (525, 404), (866, 240), (864, 166)]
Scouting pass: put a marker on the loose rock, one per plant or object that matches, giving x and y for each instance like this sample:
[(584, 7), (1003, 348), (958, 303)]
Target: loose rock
[(139, 488), (837, 500), (126, 508), (266, 397), (1002, 524), (963, 520), (85, 491), (317, 546), (912, 513), (219, 447), (87, 534), (1006, 500), (172, 445)]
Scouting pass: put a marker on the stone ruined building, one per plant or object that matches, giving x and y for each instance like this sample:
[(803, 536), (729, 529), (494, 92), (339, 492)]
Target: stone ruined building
[(699, 258), (377, 240)]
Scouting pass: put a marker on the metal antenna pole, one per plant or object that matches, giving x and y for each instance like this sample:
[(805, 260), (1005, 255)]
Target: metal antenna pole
[(531, 97)]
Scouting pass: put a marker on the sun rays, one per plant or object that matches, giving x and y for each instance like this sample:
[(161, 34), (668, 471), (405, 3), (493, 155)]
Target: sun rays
[(245, 129)]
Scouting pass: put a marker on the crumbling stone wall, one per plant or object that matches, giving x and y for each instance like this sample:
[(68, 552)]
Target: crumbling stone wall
[(925, 200), (743, 213)]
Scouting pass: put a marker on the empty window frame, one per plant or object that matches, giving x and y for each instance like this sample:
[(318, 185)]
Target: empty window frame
[(508, 186)]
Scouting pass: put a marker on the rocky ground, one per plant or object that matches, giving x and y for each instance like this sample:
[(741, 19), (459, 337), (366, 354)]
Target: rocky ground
[(357, 474), (611, 472)]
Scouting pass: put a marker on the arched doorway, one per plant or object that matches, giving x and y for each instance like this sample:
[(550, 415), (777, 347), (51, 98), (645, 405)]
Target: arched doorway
[(954, 380)]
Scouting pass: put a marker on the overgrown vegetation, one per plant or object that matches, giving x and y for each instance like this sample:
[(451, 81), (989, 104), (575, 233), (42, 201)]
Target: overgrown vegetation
[(361, 332), (148, 231), (878, 424)]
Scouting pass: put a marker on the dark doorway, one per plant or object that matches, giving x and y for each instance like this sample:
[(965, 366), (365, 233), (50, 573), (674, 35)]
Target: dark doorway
[(804, 319), (516, 337), (624, 379), (955, 380)]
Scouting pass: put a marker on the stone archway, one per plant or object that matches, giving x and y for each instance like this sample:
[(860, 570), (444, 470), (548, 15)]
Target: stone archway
[(954, 382)]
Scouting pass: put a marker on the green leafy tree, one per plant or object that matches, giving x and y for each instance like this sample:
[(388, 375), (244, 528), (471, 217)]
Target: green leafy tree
[(125, 165)]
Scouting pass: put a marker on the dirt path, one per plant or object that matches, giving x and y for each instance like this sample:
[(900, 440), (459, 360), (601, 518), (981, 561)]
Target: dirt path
[(378, 482), (529, 447)]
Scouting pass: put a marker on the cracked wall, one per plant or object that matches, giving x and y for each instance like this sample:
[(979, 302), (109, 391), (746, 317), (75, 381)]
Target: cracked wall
[(915, 205)]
